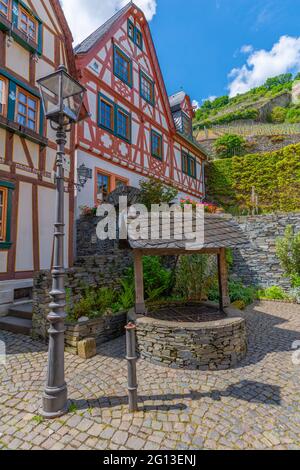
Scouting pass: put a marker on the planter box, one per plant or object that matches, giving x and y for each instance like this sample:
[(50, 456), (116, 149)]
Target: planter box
[(102, 329)]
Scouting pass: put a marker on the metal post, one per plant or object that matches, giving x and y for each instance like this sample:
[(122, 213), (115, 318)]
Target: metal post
[(56, 395), (131, 361)]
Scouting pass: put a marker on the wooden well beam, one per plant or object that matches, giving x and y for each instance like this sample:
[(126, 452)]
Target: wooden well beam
[(140, 307), (223, 280)]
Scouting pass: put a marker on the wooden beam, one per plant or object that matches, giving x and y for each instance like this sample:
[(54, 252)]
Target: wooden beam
[(223, 280), (140, 308), (177, 252)]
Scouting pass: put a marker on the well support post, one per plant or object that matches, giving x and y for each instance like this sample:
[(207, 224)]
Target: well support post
[(223, 280)]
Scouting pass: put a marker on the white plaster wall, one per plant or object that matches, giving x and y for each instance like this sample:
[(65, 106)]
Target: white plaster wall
[(2, 143), (48, 44), (46, 221), (24, 248), (3, 261), (86, 196), (17, 59)]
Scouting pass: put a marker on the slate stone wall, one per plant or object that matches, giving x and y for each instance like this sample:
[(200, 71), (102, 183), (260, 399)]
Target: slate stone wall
[(257, 263), (93, 271), (216, 345), (258, 143), (102, 329)]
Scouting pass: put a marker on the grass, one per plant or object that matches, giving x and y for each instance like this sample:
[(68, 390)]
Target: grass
[(38, 419), (73, 408)]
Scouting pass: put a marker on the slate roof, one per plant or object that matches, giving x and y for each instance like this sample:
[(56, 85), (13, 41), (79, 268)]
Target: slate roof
[(219, 232), (91, 40), (176, 100)]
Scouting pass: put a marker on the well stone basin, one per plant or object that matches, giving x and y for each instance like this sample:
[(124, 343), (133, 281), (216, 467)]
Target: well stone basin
[(193, 336)]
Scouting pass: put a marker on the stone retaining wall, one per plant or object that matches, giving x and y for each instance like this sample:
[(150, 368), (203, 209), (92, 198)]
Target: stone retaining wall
[(102, 329), (257, 263), (92, 271), (257, 143), (216, 345)]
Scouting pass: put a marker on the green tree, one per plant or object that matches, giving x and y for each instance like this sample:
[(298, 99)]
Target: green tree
[(288, 252), (229, 145), (278, 80), (278, 115), (153, 191), (220, 102), (293, 115)]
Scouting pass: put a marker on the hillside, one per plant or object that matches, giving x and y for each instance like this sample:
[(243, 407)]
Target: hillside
[(267, 117), (262, 183)]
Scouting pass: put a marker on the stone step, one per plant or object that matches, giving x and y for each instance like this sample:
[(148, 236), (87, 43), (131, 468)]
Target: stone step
[(21, 311), (15, 325)]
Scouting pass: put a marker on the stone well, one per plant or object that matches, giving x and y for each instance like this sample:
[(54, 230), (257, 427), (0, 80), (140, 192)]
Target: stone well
[(192, 336)]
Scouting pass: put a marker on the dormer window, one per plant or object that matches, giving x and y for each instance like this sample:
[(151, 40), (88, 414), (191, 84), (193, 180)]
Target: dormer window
[(186, 125)]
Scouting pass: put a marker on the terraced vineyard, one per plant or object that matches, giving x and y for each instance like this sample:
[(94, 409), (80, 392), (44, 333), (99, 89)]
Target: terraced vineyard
[(259, 129)]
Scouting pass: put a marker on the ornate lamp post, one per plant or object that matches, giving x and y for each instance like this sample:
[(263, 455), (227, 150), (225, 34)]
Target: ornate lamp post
[(62, 98)]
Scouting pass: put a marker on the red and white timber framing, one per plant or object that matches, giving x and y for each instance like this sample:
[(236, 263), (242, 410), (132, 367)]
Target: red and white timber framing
[(99, 149), (28, 164)]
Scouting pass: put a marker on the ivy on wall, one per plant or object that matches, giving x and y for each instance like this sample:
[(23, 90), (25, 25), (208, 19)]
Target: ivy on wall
[(275, 176)]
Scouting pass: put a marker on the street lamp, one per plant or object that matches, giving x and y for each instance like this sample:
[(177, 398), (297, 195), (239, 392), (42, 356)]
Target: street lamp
[(84, 174), (62, 99)]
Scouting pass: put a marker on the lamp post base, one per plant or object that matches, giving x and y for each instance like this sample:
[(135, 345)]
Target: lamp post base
[(55, 402)]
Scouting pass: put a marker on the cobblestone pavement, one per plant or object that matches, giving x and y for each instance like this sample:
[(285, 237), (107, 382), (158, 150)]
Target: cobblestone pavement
[(255, 406)]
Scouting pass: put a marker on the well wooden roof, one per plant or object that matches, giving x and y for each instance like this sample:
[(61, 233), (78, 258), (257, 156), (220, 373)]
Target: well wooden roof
[(219, 232)]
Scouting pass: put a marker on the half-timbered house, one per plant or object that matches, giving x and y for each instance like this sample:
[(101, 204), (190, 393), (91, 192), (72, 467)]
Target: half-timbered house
[(34, 40), (135, 131)]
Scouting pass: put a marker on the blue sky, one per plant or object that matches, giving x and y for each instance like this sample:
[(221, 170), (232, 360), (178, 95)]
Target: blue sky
[(199, 44), (209, 47)]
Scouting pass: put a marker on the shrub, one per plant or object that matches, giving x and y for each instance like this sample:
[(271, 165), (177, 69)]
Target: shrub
[(157, 278), (195, 276), (229, 117), (278, 115), (239, 305), (237, 292), (293, 115), (126, 298), (229, 145), (94, 303), (274, 175), (288, 252), (272, 293), (154, 191)]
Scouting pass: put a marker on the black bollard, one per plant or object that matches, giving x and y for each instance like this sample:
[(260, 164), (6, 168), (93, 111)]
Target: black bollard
[(131, 361)]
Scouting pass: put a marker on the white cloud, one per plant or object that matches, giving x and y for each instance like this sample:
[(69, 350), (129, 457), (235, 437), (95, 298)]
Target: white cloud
[(246, 49), (282, 58), (210, 98), (195, 104), (84, 17)]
